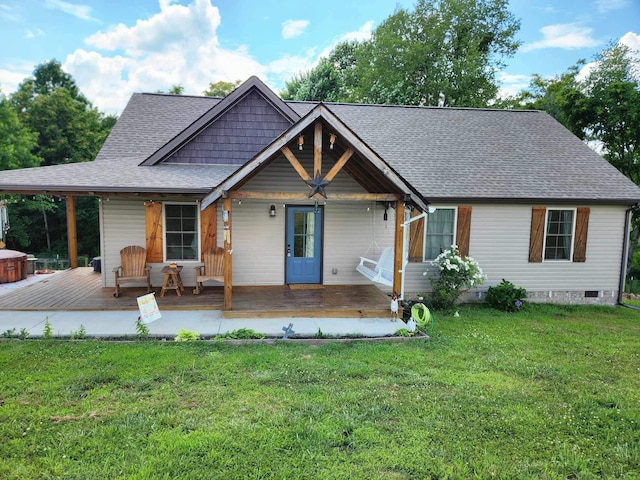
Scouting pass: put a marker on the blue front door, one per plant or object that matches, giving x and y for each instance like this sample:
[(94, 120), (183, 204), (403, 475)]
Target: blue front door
[(304, 245)]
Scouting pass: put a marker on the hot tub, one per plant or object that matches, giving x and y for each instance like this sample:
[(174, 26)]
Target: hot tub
[(13, 266)]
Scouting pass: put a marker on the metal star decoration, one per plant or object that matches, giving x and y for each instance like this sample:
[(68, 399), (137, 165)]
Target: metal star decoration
[(317, 184)]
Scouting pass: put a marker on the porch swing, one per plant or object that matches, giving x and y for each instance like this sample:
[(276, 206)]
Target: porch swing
[(380, 270)]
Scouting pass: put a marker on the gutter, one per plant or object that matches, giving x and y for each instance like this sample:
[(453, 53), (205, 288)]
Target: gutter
[(625, 252)]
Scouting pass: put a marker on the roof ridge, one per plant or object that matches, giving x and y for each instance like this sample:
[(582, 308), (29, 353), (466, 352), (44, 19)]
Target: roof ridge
[(417, 107)]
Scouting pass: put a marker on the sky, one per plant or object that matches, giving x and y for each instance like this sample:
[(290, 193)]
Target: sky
[(114, 48)]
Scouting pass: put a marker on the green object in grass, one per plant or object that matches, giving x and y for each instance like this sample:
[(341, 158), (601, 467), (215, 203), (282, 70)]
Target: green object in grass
[(185, 335), (423, 317)]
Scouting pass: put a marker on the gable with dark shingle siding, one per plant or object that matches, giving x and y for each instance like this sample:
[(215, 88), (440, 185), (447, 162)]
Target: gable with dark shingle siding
[(236, 136)]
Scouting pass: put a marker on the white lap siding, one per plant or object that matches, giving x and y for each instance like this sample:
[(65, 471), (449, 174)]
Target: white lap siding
[(351, 229), (499, 241)]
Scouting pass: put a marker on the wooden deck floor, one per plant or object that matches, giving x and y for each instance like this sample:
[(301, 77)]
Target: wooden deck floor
[(81, 289)]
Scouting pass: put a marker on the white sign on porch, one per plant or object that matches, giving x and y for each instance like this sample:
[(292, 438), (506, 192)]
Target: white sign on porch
[(148, 307)]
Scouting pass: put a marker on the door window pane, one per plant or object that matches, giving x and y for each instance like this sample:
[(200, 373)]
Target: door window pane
[(303, 234)]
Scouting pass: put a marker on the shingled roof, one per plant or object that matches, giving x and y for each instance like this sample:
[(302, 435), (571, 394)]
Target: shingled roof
[(482, 154), (447, 154)]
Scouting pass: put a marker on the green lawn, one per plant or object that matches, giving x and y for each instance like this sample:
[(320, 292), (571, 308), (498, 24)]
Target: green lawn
[(547, 393)]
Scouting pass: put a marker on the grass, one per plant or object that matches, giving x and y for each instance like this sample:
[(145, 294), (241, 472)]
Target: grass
[(548, 393)]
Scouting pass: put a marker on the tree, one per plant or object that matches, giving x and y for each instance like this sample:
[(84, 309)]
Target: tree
[(17, 142), (613, 88), (332, 80), (69, 129), (602, 107), (321, 84), (221, 89), (453, 47), (176, 89), (448, 47), (562, 97)]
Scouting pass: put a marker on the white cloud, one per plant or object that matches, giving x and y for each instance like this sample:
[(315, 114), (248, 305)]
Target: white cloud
[(363, 33), (178, 45), (604, 6), (10, 79), (286, 67), (33, 33), (293, 28), (567, 36), (83, 12), (9, 13), (511, 84), (629, 39)]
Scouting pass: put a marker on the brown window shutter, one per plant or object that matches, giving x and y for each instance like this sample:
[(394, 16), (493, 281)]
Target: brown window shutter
[(536, 237), (416, 238), (208, 228), (463, 230), (580, 240), (153, 227)]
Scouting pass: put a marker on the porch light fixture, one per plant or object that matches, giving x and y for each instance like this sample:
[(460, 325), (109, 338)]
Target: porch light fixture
[(300, 142), (332, 140), (272, 211)]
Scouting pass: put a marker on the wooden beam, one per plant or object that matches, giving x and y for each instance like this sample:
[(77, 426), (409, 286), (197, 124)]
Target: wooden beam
[(339, 164), (72, 240), (370, 197), (397, 258), (295, 163), (317, 148), (228, 247)]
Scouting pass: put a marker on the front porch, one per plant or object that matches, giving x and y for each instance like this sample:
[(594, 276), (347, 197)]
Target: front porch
[(80, 289)]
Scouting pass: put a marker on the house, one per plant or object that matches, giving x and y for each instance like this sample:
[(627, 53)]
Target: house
[(297, 192)]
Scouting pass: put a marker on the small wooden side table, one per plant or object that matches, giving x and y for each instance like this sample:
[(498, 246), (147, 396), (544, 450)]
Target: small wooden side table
[(172, 280)]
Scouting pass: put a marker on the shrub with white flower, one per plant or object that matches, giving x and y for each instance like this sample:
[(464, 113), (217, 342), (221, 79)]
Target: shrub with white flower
[(456, 274)]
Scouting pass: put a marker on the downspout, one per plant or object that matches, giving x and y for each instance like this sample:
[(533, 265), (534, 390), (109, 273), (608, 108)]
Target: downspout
[(625, 251), (405, 243)]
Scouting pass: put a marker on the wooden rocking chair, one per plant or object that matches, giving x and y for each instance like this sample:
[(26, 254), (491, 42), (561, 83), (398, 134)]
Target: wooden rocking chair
[(133, 268), (213, 268)]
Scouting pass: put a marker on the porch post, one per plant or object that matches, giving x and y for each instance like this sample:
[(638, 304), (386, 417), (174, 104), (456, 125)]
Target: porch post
[(397, 257), (226, 216), (72, 241)]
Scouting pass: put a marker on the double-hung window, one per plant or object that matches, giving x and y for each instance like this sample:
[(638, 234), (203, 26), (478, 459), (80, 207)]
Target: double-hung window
[(440, 232), (558, 239), (559, 234), (181, 231)]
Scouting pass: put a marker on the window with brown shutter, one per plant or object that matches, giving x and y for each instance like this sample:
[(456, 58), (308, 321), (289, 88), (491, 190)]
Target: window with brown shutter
[(153, 229), (416, 238), (536, 238), (553, 234), (580, 240), (208, 228), (444, 227), (174, 227), (463, 230)]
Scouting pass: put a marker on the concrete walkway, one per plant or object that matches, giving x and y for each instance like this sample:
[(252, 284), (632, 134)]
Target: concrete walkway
[(206, 322)]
